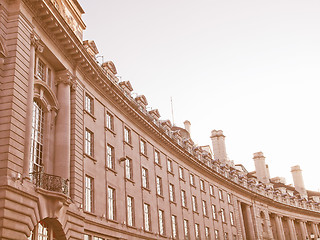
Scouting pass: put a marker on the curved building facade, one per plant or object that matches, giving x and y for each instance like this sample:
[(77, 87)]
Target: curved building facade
[(81, 158)]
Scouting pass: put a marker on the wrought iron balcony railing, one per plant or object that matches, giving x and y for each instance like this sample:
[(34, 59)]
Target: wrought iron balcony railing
[(50, 182)]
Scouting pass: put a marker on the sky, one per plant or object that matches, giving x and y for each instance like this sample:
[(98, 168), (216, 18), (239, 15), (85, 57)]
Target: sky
[(250, 68)]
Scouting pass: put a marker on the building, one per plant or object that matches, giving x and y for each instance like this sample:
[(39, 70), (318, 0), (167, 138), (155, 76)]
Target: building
[(83, 159)]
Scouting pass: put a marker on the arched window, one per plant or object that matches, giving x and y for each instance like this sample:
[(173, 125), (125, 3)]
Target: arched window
[(36, 163)]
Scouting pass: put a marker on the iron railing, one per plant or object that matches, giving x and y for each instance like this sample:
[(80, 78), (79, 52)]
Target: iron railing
[(50, 182)]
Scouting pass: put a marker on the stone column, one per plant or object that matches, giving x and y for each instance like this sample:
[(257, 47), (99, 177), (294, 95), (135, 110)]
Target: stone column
[(250, 222), (63, 125), (34, 46), (292, 229), (280, 231), (303, 229), (315, 230)]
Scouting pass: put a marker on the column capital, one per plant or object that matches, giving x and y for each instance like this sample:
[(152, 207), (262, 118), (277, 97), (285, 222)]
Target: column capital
[(66, 77), (36, 42)]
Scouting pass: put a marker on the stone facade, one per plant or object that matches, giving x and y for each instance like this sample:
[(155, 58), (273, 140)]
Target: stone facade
[(80, 158)]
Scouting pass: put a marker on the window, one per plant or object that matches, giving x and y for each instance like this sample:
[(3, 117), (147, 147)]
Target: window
[(110, 157), (183, 198), (204, 208), (109, 119), (181, 175), (88, 194), (229, 198), (207, 233), (146, 209), (226, 236), (202, 188), (86, 237), (216, 234), (89, 143), (220, 194), (98, 238), (197, 230), (174, 227), (223, 215), (41, 70), (171, 193), (111, 204), (194, 203), (43, 232), (231, 218), (88, 104), (214, 211), (36, 161), (128, 168), (145, 178), (143, 147), (234, 237), (156, 157), (191, 179), (130, 211), (161, 222), (169, 167), (127, 135), (211, 189), (159, 185), (186, 229)]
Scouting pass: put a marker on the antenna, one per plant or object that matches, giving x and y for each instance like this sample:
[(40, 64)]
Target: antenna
[(172, 112)]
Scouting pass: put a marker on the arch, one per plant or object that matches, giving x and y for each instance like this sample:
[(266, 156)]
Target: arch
[(46, 96), (50, 227)]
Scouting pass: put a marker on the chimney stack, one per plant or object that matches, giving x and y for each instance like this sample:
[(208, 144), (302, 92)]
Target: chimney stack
[(187, 126), (261, 168), (298, 181), (218, 145)]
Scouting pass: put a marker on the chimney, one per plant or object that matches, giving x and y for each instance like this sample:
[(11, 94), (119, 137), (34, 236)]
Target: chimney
[(218, 145), (298, 181), (261, 168), (187, 126)]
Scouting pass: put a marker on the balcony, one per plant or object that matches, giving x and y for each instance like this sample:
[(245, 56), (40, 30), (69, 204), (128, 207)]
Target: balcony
[(50, 182)]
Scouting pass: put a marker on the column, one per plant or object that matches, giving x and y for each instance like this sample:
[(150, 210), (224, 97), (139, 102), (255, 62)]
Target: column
[(34, 46), (293, 234), (63, 125), (250, 222), (315, 230), (280, 231), (303, 229)]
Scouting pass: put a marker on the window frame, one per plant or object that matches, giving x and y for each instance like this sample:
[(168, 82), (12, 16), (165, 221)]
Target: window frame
[(89, 103), (143, 147), (202, 185), (183, 198), (111, 204), (130, 209), (186, 228), (181, 173), (174, 226), (145, 178), (157, 159), (110, 157), (89, 143), (194, 203), (128, 169), (127, 135), (204, 208), (161, 222), (109, 121), (172, 197), (169, 166), (191, 179), (146, 217), (89, 207), (159, 188), (197, 231)]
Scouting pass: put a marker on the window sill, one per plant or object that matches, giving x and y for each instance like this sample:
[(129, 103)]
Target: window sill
[(145, 155), (90, 157), (192, 185), (129, 144), (158, 164), (112, 170), (182, 179), (173, 202), (111, 131), (170, 172), (196, 212), (147, 189), (130, 180), (204, 191), (90, 213), (111, 220), (90, 114), (160, 196), (133, 227), (184, 207)]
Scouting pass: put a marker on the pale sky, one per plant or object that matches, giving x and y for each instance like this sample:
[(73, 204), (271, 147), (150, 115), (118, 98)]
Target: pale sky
[(250, 68)]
